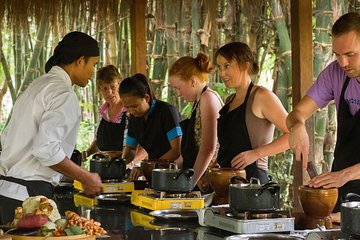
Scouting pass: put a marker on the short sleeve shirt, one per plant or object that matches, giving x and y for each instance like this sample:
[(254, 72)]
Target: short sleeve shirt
[(328, 87), (156, 132)]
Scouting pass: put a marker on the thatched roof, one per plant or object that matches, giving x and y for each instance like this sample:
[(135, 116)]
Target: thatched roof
[(17, 13)]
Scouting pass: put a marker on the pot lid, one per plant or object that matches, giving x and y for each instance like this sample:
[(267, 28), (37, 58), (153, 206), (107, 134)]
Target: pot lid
[(245, 185), (353, 204), (171, 169), (166, 170), (100, 160), (100, 157), (253, 184)]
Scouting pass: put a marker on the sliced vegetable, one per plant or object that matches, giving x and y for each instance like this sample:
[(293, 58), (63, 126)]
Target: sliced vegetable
[(76, 230), (50, 225), (49, 234), (68, 232), (62, 222), (45, 231)]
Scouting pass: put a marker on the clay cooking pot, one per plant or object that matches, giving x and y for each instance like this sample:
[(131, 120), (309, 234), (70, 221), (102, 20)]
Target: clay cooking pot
[(317, 202)]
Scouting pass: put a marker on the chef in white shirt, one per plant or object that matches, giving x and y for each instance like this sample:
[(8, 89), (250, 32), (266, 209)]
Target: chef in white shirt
[(38, 141)]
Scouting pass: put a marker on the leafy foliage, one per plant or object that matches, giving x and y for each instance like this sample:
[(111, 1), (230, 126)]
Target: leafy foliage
[(85, 135), (280, 171)]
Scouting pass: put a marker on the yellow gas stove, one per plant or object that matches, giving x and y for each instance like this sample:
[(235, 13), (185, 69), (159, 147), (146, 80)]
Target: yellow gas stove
[(149, 199), (83, 200), (110, 187), (142, 219)]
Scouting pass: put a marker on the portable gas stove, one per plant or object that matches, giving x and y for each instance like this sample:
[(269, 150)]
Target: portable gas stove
[(109, 187), (139, 218), (150, 199), (246, 222)]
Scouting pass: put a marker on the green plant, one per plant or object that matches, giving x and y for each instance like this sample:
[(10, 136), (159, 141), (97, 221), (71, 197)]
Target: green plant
[(85, 135), (280, 170), (223, 91)]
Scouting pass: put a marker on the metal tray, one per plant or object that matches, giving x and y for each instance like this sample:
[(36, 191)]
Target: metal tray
[(175, 214), (113, 198), (263, 236)]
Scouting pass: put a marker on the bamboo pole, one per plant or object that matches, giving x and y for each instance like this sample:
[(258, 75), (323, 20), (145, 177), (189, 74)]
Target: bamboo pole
[(35, 57), (158, 68), (195, 25), (322, 55), (171, 51)]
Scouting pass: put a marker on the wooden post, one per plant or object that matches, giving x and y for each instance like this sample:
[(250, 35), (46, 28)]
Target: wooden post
[(302, 75), (138, 37)]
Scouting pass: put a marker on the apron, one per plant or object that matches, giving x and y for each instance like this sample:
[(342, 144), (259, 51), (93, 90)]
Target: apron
[(110, 136), (347, 149), (189, 148), (234, 138), (34, 188)]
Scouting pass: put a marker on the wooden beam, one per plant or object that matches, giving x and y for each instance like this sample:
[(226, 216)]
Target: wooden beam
[(302, 75), (138, 37)]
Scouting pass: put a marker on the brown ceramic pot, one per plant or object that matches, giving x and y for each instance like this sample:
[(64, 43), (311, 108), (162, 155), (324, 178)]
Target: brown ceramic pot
[(317, 202), (148, 165), (220, 179)]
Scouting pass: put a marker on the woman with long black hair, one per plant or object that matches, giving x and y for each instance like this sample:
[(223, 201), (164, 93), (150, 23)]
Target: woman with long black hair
[(153, 124)]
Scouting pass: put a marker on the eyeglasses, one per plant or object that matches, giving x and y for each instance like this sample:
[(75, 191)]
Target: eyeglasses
[(107, 87)]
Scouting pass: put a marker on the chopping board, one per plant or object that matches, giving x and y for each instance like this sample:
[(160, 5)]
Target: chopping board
[(82, 236)]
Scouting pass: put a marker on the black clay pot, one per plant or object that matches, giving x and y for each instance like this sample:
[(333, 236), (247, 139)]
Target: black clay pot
[(115, 168), (252, 196), (173, 180), (350, 215), (148, 165)]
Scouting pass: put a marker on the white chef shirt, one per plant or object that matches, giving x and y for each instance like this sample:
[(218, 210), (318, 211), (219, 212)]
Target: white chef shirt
[(42, 131)]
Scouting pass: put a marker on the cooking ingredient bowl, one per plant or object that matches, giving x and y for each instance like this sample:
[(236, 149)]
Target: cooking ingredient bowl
[(317, 202), (220, 179)]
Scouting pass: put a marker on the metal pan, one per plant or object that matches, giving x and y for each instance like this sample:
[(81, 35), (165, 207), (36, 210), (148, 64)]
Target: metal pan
[(111, 198), (175, 215)]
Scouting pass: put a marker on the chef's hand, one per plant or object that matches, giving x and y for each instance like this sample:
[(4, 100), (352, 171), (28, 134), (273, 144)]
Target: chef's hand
[(244, 159), (92, 184), (299, 142), (328, 180), (135, 173)]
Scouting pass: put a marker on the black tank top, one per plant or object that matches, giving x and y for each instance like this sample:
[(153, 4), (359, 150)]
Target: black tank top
[(234, 138)]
